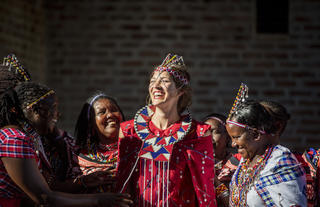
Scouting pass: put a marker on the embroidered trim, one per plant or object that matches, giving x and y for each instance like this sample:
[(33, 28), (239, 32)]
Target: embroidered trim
[(141, 120)]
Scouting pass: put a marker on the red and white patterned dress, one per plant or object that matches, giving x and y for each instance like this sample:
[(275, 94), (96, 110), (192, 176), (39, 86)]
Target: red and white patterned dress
[(14, 144), (185, 179), (96, 159)]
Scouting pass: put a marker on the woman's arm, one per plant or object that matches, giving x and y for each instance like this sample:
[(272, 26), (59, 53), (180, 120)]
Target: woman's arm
[(25, 173)]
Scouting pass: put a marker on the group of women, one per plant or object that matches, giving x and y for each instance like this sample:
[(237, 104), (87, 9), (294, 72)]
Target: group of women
[(161, 157)]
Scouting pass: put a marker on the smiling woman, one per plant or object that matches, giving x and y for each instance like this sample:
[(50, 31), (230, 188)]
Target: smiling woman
[(267, 175), (27, 112), (166, 157), (96, 133)]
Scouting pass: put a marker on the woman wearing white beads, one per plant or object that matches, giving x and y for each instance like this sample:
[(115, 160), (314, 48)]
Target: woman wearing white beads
[(165, 157)]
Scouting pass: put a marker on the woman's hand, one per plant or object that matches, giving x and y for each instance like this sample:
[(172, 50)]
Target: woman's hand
[(114, 199)]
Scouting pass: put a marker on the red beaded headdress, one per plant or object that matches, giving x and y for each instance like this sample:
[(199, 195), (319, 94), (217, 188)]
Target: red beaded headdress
[(167, 65)]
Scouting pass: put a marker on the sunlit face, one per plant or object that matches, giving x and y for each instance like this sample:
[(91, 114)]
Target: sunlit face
[(243, 140), (220, 137), (162, 89), (47, 115), (107, 119)]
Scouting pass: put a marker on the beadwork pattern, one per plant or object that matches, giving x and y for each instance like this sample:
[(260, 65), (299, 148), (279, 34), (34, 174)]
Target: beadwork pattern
[(12, 61), (240, 98), (167, 65), (244, 178), (155, 147)]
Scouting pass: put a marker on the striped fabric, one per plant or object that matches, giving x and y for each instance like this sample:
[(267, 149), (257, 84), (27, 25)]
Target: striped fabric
[(15, 144), (286, 175)]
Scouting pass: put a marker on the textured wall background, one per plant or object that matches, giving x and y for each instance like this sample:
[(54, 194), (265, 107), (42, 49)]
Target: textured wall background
[(23, 31), (112, 45)]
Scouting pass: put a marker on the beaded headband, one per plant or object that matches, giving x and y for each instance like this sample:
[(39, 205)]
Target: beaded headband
[(216, 118), (91, 102), (12, 61), (167, 65), (245, 126), (240, 98), (40, 99)]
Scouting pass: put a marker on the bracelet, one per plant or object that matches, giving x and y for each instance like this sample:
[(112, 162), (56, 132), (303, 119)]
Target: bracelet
[(221, 189), (224, 194)]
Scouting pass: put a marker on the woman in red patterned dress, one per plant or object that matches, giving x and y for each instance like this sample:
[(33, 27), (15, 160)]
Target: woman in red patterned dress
[(166, 157)]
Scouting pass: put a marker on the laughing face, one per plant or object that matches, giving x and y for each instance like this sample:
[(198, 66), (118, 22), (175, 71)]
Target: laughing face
[(162, 90), (107, 119), (243, 140)]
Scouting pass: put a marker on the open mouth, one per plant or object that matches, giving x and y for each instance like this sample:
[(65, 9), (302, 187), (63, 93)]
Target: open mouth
[(158, 94), (112, 122)]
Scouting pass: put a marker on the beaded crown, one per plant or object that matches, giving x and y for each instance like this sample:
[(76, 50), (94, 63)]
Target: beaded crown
[(172, 60), (167, 65), (12, 61), (241, 97)]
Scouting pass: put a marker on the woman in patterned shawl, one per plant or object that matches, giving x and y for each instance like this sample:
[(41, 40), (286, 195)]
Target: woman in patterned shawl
[(268, 174), (309, 159)]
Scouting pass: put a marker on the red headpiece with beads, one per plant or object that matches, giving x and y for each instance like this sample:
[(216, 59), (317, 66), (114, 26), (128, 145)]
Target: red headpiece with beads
[(168, 65)]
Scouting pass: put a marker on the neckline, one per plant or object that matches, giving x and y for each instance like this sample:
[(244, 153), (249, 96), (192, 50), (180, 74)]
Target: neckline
[(107, 147), (142, 122), (173, 128)]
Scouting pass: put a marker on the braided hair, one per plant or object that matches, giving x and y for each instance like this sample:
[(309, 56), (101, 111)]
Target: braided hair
[(84, 126), (13, 102)]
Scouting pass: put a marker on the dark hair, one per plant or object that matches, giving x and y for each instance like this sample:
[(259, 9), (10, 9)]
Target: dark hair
[(185, 99), (84, 125), (276, 110), (278, 113), (9, 78), (14, 101), (223, 118), (254, 115)]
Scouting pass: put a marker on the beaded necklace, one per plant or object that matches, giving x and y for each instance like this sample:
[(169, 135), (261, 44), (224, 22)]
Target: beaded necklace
[(156, 147), (141, 122), (244, 179), (99, 156)]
